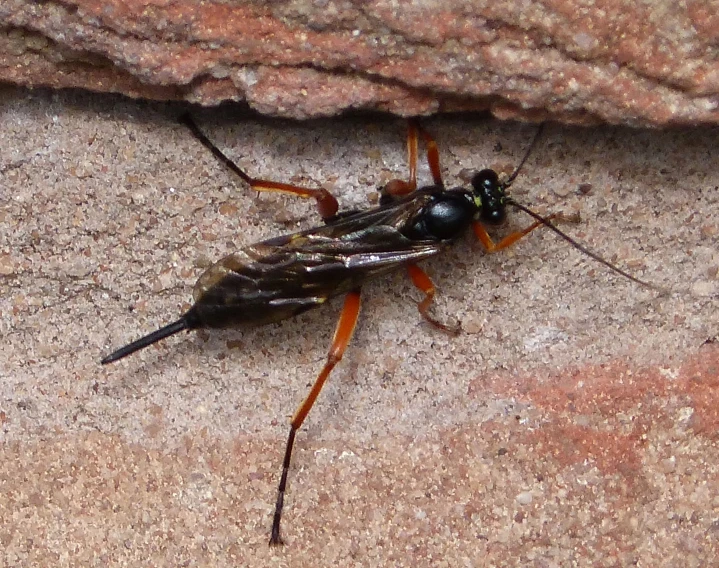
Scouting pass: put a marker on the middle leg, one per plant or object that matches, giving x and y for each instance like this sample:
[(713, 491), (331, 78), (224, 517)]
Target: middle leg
[(398, 187), (422, 281)]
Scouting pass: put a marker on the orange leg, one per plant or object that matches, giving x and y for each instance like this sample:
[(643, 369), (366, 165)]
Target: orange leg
[(432, 156), (343, 334), (424, 283), (326, 202), (509, 240), (398, 187)]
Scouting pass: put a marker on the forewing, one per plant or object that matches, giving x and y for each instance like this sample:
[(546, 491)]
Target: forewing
[(279, 277)]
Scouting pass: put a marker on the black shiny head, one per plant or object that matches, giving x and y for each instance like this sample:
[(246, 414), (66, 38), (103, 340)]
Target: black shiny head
[(489, 197)]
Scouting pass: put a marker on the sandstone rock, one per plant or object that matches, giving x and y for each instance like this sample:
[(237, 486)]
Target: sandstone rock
[(615, 61)]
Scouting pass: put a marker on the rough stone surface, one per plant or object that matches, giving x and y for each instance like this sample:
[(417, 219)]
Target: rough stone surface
[(613, 61), (573, 422)]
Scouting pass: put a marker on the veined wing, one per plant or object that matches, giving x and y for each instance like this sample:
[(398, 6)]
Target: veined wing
[(282, 276)]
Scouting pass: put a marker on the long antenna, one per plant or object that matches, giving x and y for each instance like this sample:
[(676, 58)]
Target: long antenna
[(547, 223), (511, 178)]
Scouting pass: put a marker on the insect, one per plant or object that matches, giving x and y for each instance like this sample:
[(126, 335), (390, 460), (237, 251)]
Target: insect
[(284, 276)]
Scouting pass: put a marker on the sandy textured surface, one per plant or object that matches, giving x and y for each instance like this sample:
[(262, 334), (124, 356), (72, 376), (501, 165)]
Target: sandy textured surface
[(574, 421)]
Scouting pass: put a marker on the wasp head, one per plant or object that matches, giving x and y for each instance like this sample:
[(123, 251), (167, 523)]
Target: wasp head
[(489, 197)]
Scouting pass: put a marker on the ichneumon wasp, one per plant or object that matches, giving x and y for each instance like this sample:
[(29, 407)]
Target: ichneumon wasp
[(284, 276)]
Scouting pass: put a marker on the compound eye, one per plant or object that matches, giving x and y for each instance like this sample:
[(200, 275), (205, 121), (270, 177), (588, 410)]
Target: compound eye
[(485, 182)]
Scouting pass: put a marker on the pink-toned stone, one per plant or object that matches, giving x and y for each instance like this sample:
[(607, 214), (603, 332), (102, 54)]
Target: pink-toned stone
[(615, 61)]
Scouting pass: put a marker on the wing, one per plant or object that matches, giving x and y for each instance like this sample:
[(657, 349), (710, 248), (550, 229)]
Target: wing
[(280, 277)]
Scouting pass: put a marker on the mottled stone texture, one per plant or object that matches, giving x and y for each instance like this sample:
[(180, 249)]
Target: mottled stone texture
[(573, 423), (616, 61)]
